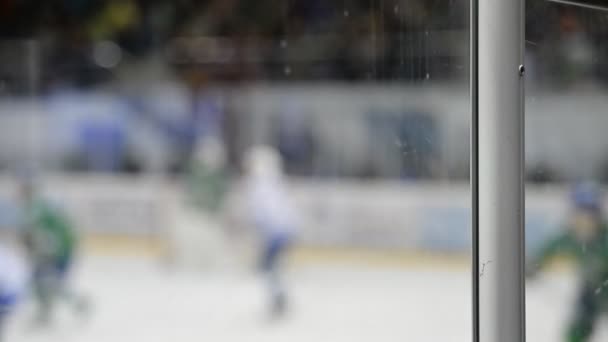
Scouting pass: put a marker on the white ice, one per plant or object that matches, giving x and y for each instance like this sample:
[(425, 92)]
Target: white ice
[(140, 300)]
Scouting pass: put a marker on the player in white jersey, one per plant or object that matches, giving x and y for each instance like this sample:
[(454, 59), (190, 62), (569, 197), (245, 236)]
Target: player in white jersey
[(274, 217)]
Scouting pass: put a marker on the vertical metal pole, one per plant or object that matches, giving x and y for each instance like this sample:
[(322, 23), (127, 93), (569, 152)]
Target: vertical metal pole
[(500, 162), (474, 81)]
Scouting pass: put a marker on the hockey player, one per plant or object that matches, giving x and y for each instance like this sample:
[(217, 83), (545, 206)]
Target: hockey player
[(274, 218), (585, 239), (50, 244), (12, 281), (208, 181)]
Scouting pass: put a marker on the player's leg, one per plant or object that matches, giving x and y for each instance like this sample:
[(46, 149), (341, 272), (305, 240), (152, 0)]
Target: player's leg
[(271, 260), (7, 304), (44, 288), (65, 291), (2, 327), (3, 319), (582, 324)]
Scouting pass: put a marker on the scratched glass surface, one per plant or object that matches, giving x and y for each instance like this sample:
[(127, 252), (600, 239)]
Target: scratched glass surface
[(232, 170)]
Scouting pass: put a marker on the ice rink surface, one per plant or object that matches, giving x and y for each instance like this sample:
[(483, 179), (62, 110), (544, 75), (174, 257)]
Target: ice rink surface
[(141, 300)]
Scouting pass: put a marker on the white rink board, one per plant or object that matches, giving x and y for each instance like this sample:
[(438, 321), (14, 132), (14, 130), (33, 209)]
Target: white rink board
[(101, 204), (422, 216)]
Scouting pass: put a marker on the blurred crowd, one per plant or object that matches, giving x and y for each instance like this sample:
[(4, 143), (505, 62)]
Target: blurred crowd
[(61, 46), (566, 43), (84, 42), (241, 40)]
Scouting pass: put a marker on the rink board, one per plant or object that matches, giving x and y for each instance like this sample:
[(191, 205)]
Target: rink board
[(390, 215)]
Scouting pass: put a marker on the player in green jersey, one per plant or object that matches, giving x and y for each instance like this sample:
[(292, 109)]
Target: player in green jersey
[(585, 240), (50, 242)]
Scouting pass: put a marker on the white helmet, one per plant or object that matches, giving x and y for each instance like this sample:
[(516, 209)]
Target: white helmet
[(263, 161)]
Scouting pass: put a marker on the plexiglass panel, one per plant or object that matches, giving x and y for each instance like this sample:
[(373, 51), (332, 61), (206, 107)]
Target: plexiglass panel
[(231, 170), (566, 170)]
